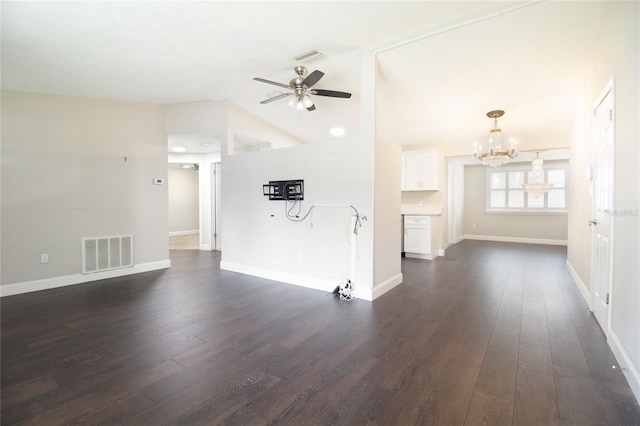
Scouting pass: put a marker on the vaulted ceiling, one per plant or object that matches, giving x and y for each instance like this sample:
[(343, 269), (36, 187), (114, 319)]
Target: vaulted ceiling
[(441, 65)]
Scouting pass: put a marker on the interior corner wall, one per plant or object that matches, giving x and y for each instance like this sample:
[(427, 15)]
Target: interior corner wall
[(578, 233), (549, 228), (617, 55), (183, 188), (77, 167), (317, 252), (387, 223)]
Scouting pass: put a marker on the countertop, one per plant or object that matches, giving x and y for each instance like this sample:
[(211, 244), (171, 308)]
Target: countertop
[(421, 209)]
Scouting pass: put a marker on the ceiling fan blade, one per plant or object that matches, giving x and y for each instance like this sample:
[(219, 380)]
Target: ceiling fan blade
[(312, 78), (275, 83), (331, 93), (275, 98), (311, 108)]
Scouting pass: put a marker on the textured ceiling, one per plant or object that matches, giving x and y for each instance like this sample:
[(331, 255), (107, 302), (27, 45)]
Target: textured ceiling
[(441, 65)]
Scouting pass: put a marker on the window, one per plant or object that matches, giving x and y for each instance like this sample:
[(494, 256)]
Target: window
[(505, 194)]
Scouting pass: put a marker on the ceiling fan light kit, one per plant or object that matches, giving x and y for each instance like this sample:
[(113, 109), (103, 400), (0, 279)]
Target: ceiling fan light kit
[(497, 155), (300, 88)]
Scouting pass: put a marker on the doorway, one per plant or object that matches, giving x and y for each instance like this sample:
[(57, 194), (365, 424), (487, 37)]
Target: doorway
[(184, 206)]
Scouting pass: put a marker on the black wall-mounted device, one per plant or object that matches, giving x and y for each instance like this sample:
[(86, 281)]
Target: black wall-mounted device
[(290, 190)]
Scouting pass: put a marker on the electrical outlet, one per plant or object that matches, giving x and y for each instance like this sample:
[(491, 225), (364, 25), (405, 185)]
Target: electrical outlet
[(473, 226), (44, 257)]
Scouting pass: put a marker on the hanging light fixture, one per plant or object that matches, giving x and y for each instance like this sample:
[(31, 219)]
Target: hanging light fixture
[(497, 155), (536, 185)]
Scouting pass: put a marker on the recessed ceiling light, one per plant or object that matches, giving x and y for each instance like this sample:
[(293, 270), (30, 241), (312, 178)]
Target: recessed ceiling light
[(336, 131), (179, 149)]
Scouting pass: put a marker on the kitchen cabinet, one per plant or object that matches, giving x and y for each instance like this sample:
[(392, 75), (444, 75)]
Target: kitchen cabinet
[(420, 170), (417, 236)]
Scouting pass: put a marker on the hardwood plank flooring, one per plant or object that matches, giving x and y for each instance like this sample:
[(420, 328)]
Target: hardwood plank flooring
[(492, 333)]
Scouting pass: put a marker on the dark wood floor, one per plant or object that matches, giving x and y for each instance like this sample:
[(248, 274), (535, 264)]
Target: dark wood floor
[(493, 333)]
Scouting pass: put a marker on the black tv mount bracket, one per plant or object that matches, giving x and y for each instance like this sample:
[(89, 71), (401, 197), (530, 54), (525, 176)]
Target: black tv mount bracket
[(288, 190)]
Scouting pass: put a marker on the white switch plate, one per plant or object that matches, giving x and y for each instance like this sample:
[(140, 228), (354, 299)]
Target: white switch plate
[(44, 257)]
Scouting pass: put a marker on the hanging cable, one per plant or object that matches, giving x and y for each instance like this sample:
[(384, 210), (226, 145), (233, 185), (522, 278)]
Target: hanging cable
[(296, 218)]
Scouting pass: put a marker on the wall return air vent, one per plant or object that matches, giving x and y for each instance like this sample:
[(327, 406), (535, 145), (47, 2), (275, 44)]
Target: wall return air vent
[(105, 253)]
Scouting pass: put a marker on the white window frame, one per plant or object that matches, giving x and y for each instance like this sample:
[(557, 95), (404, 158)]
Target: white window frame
[(526, 167)]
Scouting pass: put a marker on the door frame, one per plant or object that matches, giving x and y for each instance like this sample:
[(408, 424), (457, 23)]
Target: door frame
[(609, 90)]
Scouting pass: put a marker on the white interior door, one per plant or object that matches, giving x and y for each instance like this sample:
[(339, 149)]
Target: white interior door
[(602, 208)]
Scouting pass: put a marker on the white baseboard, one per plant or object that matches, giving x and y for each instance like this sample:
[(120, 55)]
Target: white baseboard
[(586, 294), (299, 280), (326, 285), (382, 288), (205, 247), (516, 240), (176, 233), (424, 256), (620, 354), (625, 362), (66, 280)]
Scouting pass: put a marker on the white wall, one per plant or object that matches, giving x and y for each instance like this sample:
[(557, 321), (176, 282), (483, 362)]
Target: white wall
[(72, 168), (387, 219), (316, 253), (203, 118), (183, 200), (545, 228), (616, 55)]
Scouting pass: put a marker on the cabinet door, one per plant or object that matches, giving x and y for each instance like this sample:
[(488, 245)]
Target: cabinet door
[(430, 161), (413, 171), (417, 240), (417, 234), (420, 170)]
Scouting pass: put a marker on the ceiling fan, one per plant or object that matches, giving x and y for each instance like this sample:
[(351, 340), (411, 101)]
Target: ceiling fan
[(300, 87)]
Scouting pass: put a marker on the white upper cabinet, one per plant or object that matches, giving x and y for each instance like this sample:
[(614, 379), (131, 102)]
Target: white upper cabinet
[(420, 170)]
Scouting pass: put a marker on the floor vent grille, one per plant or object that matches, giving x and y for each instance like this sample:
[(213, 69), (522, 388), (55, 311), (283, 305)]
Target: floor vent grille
[(106, 253)]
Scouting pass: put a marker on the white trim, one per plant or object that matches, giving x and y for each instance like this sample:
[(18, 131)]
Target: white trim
[(299, 280), (545, 210), (326, 285), (625, 362), (584, 290), (66, 280), (177, 233), (382, 288), (206, 247), (515, 239), (418, 256)]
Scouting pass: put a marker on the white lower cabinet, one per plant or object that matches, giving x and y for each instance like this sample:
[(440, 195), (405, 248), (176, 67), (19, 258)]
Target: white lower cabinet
[(417, 236)]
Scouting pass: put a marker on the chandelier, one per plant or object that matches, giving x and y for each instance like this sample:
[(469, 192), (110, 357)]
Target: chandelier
[(536, 185), (497, 155)]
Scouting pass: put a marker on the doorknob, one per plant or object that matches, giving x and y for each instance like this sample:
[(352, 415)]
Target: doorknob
[(592, 222)]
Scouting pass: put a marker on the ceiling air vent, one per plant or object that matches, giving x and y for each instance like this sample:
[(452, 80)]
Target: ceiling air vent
[(307, 56)]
